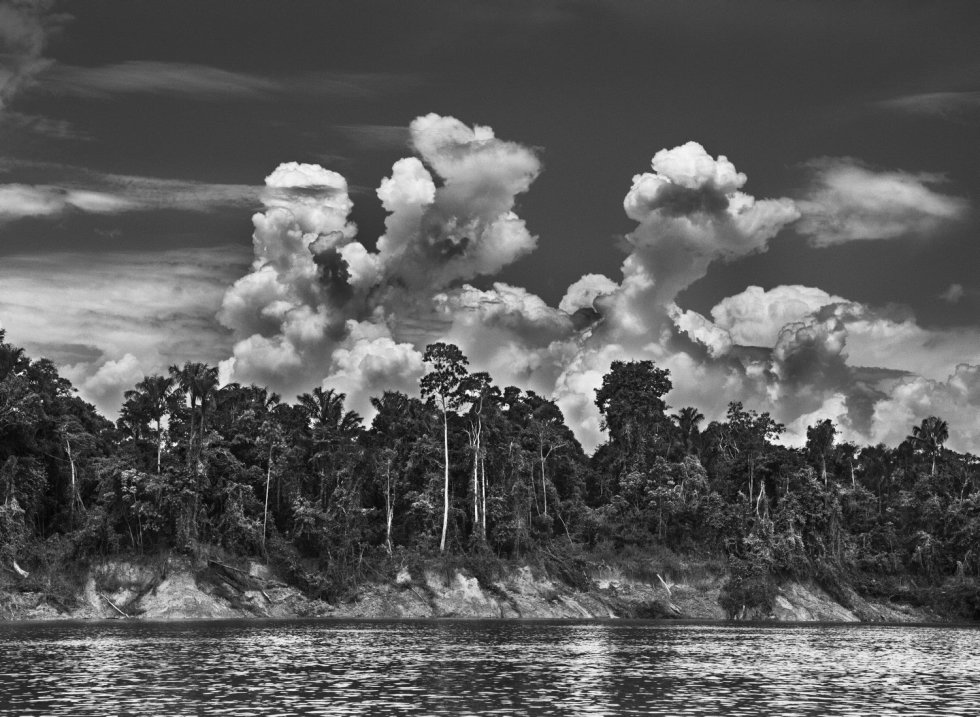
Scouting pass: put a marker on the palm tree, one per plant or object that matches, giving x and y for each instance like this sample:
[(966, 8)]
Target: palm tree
[(688, 419), (330, 426), (930, 436), (12, 358), (155, 394), (198, 381)]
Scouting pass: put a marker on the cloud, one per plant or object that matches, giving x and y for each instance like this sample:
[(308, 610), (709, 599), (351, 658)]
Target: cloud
[(203, 82), (754, 317), (955, 399), (583, 293), (315, 304), (691, 213), (49, 127), (716, 339), (370, 362), (110, 381), (938, 104), (24, 29), (88, 191), (953, 294), (318, 302), (18, 201), (83, 310), (848, 201)]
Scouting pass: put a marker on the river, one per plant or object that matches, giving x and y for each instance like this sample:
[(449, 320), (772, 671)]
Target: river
[(422, 667)]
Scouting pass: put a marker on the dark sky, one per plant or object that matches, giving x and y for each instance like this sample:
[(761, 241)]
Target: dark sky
[(221, 92)]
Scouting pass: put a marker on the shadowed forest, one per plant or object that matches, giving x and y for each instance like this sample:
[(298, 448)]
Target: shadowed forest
[(477, 472)]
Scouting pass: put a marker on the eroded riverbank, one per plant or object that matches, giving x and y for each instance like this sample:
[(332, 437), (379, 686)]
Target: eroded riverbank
[(176, 587)]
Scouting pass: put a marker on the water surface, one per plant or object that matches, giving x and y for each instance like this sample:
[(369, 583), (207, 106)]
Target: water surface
[(486, 667)]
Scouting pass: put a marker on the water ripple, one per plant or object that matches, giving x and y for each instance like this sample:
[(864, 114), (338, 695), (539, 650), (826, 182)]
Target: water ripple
[(493, 667)]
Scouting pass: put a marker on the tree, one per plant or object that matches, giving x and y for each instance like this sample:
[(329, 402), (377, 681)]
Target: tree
[(633, 410), (271, 434), (929, 436), (819, 442), (441, 385), (198, 381), (477, 389), (688, 419), (154, 395), (333, 430)]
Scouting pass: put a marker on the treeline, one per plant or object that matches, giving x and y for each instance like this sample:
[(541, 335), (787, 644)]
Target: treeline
[(470, 468)]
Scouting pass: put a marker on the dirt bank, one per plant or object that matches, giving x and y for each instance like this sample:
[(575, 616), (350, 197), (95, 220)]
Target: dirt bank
[(174, 588)]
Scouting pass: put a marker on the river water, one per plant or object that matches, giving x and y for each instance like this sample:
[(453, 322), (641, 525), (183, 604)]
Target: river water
[(486, 667)]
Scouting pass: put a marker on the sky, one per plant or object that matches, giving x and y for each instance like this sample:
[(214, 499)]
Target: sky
[(777, 201)]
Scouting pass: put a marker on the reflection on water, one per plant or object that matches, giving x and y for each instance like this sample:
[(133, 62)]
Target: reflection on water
[(499, 667)]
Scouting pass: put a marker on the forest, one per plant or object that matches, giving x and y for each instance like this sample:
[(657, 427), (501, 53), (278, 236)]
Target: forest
[(475, 470)]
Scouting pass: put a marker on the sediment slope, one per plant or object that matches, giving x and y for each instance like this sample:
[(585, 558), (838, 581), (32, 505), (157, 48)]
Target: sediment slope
[(176, 588)]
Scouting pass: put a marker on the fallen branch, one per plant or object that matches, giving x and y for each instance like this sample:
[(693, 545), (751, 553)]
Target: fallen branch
[(230, 567), (268, 581), (664, 583), (113, 605)]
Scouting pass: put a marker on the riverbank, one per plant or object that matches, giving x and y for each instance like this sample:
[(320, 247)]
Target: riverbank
[(175, 587)]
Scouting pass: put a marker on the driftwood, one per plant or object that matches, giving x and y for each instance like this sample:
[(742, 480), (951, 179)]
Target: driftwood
[(112, 605), (245, 573)]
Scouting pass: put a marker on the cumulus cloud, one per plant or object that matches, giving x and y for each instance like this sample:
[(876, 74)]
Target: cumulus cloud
[(583, 293), (955, 399), (823, 356), (370, 362), (848, 201), (755, 317), (691, 212), (110, 381), (319, 303)]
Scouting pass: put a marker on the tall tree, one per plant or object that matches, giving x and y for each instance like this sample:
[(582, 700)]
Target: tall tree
[(819, 443), (688, 421), (631, 402), (477, 389), (333, 429), (929, 436), (155, 394), (198, 381), (447, 369)]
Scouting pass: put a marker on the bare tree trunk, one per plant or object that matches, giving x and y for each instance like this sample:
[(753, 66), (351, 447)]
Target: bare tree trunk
[(476, 486), (268, 479), (445, 494), (389, 507), (159, 444), (544, 485), (483, 490), (74, 488), (190, 437)]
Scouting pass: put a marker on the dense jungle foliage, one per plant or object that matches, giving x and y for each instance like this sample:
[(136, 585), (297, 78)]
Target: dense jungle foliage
[(469, 469)]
